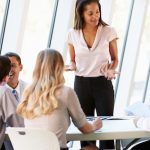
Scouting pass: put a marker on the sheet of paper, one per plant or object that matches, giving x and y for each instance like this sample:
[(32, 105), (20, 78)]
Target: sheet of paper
[(118, 125)]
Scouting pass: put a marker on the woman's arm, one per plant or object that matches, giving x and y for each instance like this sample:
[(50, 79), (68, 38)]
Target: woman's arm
[(78, 117), (91, 127), (71, 52), (114, 54), (114, 59), (72, 65)]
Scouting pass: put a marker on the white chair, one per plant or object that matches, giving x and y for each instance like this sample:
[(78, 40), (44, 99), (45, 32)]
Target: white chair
[(32, 139)]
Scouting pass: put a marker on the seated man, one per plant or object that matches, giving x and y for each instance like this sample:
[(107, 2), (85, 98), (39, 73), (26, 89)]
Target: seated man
[(16, 85), (8, 104)]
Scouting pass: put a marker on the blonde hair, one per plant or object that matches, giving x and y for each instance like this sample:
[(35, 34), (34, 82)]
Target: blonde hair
[(39, 98)]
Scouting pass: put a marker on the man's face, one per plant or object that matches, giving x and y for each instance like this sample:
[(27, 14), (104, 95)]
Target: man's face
[(16, 67)]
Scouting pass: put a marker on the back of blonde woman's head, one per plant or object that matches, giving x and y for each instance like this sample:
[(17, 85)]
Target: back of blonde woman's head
[(39, 98)]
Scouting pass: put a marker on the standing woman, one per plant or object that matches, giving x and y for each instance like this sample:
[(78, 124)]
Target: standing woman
[(94, 57)]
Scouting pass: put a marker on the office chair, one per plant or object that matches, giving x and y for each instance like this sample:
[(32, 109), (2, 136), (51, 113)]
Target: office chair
[(32, 139)]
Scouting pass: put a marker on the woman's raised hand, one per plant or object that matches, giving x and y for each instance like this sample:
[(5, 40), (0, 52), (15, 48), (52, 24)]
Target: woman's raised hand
[(70, 67)]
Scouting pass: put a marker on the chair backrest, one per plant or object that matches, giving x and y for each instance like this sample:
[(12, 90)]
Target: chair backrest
[(32, 139)]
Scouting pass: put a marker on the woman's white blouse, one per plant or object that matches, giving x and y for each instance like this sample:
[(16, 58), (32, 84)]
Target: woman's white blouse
[(89, 61)]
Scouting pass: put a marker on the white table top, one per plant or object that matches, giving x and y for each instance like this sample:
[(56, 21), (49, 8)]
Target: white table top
[(112, 129)]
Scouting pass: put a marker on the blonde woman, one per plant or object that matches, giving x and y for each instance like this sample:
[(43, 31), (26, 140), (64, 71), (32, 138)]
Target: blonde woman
[(48, 104)]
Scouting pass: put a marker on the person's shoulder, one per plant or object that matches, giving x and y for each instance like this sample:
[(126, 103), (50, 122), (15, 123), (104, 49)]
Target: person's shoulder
[(67, 91), (22, 84), (73, 31), (64, 93), (4, 89), (109, 31), (67, 88), (70, 30), (5, 93), (108, 28)]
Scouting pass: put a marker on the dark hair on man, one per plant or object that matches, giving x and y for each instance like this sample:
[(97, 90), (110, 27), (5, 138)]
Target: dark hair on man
[(79, 9), (11, 54), (5, 66)]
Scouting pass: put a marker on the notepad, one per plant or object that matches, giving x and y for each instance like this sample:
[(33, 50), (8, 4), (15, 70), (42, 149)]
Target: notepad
[(117, 125), (111, 118), (119, 118)]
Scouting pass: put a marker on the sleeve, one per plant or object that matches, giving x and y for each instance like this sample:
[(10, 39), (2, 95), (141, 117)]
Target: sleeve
[(144, 123), (75, 111), (1, 120), (69, 37), (112, 34), (10, 117)]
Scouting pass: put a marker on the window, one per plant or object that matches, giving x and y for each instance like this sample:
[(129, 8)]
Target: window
[(143, 61), (135, 51), (36, 33), (2, 15), (2, 12), (120, 18)]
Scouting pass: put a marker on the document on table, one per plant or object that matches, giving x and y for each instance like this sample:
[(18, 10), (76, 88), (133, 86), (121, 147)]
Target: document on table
[(118, 118), (90, 118), (118, 125)]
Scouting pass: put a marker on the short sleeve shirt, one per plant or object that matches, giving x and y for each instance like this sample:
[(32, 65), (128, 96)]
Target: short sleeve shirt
[(90, 60)]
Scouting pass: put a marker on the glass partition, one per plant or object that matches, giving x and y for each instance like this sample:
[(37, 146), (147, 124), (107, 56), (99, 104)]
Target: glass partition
[(2, 14), (141, 75), (36, 33)]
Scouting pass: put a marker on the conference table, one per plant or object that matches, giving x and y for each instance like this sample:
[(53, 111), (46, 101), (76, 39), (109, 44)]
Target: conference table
[(113, 128)]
